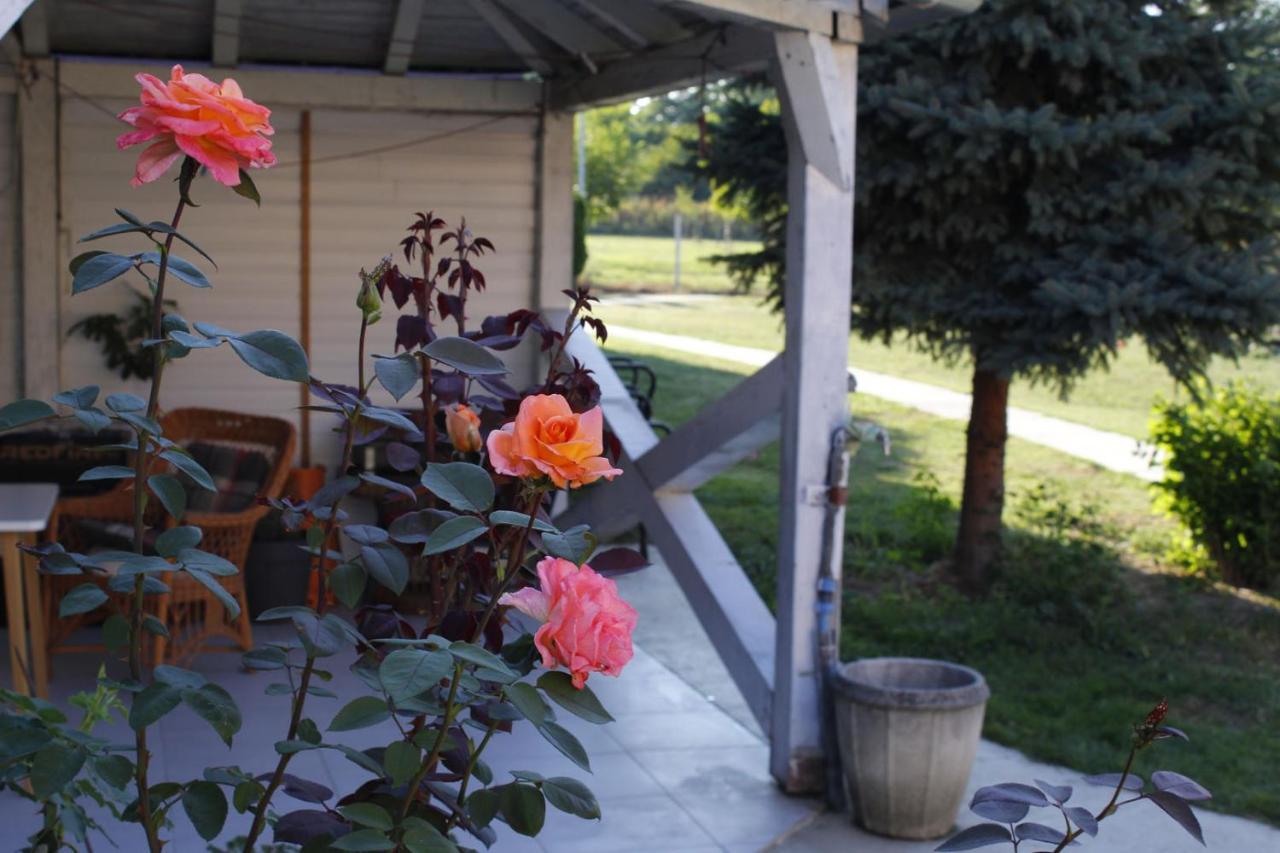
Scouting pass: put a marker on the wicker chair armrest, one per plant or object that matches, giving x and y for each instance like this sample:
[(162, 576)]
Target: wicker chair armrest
[(115, 505), (224, 520)]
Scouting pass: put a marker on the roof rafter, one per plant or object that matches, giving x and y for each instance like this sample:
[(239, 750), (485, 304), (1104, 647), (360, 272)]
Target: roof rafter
[(35, 29), (562, 26), (226, 33), (500, 22), (835, 18), (404, 32), (642, 23)]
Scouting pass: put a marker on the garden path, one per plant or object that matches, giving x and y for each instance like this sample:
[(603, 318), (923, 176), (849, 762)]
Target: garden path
[(1109, 450)]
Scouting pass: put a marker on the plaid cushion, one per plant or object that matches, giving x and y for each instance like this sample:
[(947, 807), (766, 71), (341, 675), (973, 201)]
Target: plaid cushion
[(239, 472), (112, 536)]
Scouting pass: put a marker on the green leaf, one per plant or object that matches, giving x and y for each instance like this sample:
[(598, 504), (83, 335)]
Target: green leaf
[(290, 747), (115, 633), (482, 805), (367, 814), (172, 496), (386, 565), (398, 375), (265, 658), (98, 269), (465, 356), (216, 707), (152, 703), (348, 582), (80, 259), (523, 807), (481, 657), (176, 676), (519, 519), (564, 740), (247, 189), (178, 268), (454, 533), (22, 412), (112, 230), (308, 731), (360, 713), (363, 839), (574, 544), (175, 539), (194, 558), (425, 838), (401, 760), (570, 795), (155, 627), (219, 591), (193, 469), (122, 402), (116, 770), (246, 796), (82, 599), (107, 472), (581, 703), (206, 805), (273, 354), (460, 484), (528, 702), (407, 672), (78, 398), (53, 767)]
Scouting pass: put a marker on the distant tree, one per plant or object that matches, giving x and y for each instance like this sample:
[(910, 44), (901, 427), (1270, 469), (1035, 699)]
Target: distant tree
[(1039, 181)]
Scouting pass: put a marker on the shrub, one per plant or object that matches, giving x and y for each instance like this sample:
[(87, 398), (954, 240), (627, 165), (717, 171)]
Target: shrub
[(1222, 479)]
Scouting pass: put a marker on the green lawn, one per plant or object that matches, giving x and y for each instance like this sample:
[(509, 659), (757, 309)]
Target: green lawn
[(1119, 400), (1083, 632), (620, 263)]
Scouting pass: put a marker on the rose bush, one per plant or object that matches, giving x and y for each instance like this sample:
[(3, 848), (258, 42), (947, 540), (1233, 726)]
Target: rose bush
[(466, 524)]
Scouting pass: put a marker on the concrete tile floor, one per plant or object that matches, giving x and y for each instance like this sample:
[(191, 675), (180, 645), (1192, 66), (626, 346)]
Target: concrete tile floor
[(673, 773)]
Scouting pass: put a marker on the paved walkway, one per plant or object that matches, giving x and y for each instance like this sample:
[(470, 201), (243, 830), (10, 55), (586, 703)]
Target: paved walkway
[(1109, 450)]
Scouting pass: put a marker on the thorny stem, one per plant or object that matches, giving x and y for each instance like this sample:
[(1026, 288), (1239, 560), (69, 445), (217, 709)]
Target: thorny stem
[(317, 565), (1111, 806), (140, 468), (569, 324), (449, 713), (513, 564), (471, 767)]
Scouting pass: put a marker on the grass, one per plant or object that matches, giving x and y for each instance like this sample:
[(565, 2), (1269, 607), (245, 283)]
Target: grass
[(1119, 400), (1083, 632), (640, 264)]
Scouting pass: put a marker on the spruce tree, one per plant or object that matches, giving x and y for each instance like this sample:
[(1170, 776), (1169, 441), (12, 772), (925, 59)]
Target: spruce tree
[(1043, 179)]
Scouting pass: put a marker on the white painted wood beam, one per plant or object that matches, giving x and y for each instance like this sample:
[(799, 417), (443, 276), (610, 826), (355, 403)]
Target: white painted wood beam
[(40, 280), (815, 84), (553, 225), (915, 14), (562, 26), (724, 433), (226, 33), (723, 53), (641, 22), (833, 18), (499, 20), (321, 90), (815, 402), (728, 606), (35, 29), (404, 32), (10, 12)]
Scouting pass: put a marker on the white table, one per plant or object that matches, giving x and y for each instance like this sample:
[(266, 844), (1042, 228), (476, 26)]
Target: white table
[(24, 511)]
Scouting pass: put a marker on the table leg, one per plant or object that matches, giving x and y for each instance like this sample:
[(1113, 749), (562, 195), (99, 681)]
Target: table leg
[(15, 607), (35, 618)]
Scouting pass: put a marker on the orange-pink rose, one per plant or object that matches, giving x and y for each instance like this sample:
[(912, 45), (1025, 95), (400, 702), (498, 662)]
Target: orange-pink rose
[(463, 425), (586, 627), (547, 438), (193, 116)]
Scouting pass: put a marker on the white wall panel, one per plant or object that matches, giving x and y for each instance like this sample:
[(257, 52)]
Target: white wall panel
[(9, 313)]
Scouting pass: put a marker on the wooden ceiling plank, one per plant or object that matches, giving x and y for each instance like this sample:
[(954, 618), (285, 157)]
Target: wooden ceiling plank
[(404, 33), (500, 22), (563, 27), (641, 22)]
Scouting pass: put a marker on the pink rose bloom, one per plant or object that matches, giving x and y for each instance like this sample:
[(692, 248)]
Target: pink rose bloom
[(586, 627), (547, 438), (214, 124)]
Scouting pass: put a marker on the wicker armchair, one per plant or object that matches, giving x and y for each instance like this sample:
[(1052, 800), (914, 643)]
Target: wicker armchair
[(194, 616)]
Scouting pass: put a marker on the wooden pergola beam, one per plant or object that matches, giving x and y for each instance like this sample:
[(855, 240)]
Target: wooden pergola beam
[(725, 52), (563, 27), (10, 12), (226, 33), (500, 22), (404, 32), (640, 22), (832, 18), (35, 29)]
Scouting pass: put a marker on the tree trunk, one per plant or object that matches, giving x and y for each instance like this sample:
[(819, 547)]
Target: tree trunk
[(978, 541)]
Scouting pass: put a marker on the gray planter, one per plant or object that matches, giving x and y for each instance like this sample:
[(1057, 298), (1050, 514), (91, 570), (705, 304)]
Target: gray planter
[(909, 730)]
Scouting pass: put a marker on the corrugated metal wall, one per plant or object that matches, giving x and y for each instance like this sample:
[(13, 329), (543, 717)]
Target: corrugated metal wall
[(359, 208)]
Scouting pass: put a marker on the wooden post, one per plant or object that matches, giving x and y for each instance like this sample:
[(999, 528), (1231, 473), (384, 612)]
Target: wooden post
[(37, 98), (304, 276), (817, 79)]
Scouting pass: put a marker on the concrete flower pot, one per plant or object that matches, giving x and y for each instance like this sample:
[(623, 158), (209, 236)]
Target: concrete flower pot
[(908, 730)]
